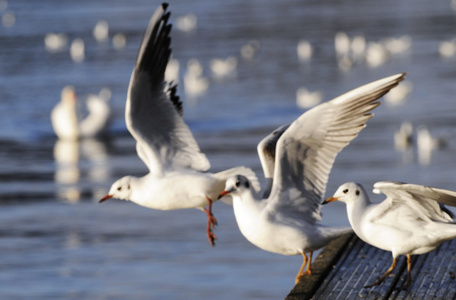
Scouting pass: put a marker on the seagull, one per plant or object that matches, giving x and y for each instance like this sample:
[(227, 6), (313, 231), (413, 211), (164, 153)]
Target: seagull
[(296, 161), (65, 119), (410, 221), (177, 177)]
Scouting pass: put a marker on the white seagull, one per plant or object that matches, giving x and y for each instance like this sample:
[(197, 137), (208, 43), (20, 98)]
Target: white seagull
[(410, 221), (65, 118), (296, 160), (177, 177)]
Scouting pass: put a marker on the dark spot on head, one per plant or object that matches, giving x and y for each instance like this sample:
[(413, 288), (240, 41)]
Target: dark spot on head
[(128, 187), (247, 184), (357, 192)]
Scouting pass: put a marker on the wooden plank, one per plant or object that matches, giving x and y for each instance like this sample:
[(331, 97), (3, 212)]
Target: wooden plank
[(321, 266), (355, 264)]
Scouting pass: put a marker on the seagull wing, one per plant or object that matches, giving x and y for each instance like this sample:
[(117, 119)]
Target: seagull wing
[(152, 115), (306, 151), (424, 201), (266, 151)]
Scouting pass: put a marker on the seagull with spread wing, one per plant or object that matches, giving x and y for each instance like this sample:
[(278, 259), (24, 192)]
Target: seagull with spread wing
[(296, 160), (177, 175)]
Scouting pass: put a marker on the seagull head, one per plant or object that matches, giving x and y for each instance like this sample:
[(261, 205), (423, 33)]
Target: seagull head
[(347, 192), (121, 189), (235, 184), (68, 95)]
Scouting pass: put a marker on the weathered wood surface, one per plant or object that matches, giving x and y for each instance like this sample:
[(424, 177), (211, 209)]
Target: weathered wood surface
[(345, 266)]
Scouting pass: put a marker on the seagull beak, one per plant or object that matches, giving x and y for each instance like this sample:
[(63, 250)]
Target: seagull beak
[(330, 199), (105, 198), (223, 194)]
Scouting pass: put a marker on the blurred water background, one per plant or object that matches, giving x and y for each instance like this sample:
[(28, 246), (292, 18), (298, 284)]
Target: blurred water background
[(56, 242)]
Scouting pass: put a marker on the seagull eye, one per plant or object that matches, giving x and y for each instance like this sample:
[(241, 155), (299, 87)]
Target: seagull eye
[(238, 183), (345, 191), (357, 192), (119, 188)]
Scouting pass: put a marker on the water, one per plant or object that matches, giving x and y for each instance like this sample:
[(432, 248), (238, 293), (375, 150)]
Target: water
[(56, 242)]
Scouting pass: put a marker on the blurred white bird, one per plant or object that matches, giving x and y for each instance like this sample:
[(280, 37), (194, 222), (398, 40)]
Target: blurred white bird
[(307, 99), (426, 143), (55, 41), (77, 50), (304, 50), (194, 83), (101, 31), (403, 138), (400, 94), (222, 68), (448, 48), (67, 123), (408, 222), (119, 41), (250, 50), (186, 23)]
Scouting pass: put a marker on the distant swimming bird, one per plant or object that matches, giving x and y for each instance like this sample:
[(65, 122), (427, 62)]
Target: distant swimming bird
[(426, 143), (376, 54), (286, 218), (399, 95), (77, 50), (55, 41), (304, 50), (177, 175), (398, 45), (250, 50), (403, 138), (65, 116), (223, 67), (408, 222), (307, 99), (195, 84), (187, 23), (448, 48), (101, 31), (119, 41)]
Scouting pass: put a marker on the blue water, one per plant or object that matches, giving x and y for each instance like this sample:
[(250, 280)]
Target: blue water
[(56, 242)]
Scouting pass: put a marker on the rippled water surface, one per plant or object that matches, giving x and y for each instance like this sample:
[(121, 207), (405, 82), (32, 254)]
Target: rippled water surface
[(56, 242)]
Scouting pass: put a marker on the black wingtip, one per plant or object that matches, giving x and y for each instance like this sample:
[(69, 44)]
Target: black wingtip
[(165, 5)]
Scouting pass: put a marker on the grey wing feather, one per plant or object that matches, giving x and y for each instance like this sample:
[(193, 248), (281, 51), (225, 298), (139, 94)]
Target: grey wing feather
[(266, 151), (425, 201), (152, 114), (307, 149)]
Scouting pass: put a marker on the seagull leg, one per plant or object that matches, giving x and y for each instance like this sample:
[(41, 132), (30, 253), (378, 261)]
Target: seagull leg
[(211, 222), (306, 261), (409, 269), (393, 265)]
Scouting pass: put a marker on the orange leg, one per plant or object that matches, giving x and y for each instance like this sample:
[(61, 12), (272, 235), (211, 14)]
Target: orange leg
[(211, 222), (393, 265), (306, 261), (409, 269)]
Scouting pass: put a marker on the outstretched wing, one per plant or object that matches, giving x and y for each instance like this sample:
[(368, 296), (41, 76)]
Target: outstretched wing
[(164, 141), (423, 201), (266, 151), (306, 151)]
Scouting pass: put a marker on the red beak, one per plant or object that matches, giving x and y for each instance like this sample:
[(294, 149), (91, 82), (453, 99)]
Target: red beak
[(105, 198), (223, 194)]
